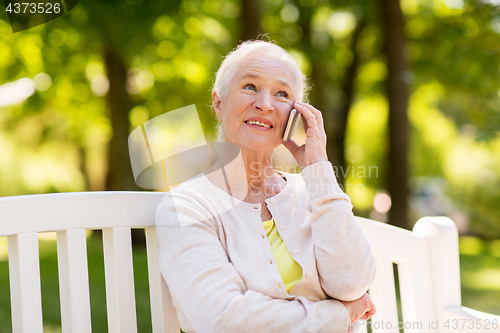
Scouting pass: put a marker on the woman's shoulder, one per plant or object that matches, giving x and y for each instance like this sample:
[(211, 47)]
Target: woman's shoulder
[(188, 194), (196, 199), (190, 187), (192, 190)]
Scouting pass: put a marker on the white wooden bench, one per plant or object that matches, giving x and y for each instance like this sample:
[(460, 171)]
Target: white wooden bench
[(427, 259)]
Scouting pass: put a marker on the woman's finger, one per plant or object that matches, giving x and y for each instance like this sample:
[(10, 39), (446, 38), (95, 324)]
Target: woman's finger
[(314, 150), (308, 116), (317, 114), (303, 110), (314, 121), (371, 311)]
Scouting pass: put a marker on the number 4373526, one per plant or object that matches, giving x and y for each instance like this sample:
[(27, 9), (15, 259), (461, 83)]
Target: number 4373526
[(33, 8)]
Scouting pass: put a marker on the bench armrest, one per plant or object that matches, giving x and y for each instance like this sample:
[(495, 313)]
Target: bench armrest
[(462, 319)]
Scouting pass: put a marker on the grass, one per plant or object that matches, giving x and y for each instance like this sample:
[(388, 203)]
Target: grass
[(480, 274), (479, 265)]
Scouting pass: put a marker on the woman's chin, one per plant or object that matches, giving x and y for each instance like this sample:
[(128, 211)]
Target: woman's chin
[(257, 142), (260, 145)]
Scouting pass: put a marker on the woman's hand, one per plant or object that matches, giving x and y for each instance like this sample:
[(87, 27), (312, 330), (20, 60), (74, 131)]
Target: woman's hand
[(361, 308), (314, 150)]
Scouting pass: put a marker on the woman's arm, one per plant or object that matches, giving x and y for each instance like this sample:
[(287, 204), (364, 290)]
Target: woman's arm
[(209, 291), (344, 259)]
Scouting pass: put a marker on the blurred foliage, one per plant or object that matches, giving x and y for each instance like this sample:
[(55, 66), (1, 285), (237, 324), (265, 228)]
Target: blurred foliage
[(56, 140)]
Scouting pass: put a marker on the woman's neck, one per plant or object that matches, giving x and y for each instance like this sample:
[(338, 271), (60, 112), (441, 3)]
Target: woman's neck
[(263, 182), (248, 175)]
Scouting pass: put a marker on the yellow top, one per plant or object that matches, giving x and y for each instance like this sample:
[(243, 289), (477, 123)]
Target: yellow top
[(289, 269)]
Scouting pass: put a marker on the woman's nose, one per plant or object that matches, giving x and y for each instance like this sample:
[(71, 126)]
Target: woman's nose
[(264, 102)]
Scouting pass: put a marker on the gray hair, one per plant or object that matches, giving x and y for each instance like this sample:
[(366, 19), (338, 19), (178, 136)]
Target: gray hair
[(235, 58)]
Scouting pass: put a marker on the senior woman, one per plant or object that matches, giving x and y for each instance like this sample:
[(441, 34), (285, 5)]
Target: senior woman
[(244, 248)]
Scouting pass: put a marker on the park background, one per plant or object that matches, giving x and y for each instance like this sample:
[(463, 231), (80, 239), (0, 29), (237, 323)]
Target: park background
[(410, 88)]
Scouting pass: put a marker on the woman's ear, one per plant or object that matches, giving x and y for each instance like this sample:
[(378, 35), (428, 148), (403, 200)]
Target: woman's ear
[(217, 105)]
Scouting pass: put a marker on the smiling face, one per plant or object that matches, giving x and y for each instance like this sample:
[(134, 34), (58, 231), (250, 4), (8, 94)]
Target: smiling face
[(258, 101)]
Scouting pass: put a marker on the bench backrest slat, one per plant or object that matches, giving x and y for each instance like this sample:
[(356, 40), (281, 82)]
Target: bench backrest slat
[(119, 271), (383, 290), (73, 281), (417, 299), (25, 291)]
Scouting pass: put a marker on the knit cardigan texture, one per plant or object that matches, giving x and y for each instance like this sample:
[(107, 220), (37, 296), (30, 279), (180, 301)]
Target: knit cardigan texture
[(220, 270)]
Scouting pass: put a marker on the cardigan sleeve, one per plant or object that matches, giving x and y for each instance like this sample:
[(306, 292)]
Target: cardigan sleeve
[(209, 291), (345, 262)]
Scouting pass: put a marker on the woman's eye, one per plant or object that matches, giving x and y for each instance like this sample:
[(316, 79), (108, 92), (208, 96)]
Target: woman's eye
[(250, 86), (283, 94)]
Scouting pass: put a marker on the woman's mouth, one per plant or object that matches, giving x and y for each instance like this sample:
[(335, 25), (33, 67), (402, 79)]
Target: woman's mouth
[(258, 123)]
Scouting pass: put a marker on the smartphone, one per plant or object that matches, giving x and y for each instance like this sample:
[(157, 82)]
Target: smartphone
[(291, 125)]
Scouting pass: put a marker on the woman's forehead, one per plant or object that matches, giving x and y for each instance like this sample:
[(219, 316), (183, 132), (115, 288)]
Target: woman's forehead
[(263, 67)]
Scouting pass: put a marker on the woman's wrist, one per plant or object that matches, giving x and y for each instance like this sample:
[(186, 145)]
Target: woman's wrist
[(314, 161)]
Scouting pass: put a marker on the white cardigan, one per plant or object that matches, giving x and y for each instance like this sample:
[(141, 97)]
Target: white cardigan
[(220, 270)]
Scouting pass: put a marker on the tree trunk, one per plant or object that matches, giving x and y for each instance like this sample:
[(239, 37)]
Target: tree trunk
[(83, 165), (397, 95), (120, 176), (337, 125), (251, 14)]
